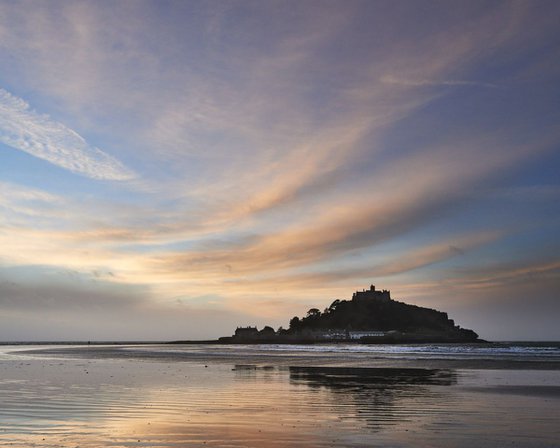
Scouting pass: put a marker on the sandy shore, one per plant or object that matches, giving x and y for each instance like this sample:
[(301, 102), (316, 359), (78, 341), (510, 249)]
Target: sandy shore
[(91, 401)]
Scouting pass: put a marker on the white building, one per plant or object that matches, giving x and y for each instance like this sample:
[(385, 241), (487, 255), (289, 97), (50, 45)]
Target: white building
[(365, 334)]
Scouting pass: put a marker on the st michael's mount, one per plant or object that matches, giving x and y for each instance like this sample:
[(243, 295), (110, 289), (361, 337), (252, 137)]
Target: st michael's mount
[(370, 317)]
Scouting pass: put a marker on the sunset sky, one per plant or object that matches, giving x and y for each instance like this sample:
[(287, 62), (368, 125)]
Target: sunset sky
[(170, 170)]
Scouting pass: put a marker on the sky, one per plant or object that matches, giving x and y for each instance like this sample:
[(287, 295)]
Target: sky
[(173, 170)]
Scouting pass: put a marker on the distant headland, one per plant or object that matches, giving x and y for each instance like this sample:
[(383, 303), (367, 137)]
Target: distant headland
[(370, 317)]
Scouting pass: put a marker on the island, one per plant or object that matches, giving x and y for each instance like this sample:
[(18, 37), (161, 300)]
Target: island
[(370, 317)]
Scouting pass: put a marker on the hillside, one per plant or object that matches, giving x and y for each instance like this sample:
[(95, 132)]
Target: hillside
[(375, 310), (371, 316)]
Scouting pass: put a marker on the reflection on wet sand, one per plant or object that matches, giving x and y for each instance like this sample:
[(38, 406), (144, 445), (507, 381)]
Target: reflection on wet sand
[(371, 378), (379, 396), (368, 399), (158, 404), (124, 403)]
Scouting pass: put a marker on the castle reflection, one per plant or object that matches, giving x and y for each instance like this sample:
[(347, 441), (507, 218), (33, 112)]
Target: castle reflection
[(379, 397), (370, 378), (376, 397)]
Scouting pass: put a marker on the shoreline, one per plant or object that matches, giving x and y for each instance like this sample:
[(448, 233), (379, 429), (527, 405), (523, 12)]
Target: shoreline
[(196, 395), (232, 341), (442, 356)]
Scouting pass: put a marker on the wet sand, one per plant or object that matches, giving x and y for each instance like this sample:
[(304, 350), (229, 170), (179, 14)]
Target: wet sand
[(456, 356), (106, 396)]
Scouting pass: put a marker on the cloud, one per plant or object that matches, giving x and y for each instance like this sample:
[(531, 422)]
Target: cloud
[(82, 298), (451, 176), (389, 79), (511, 275), (499, 300), (389, 266), (40, 302), (19, 202), (37, 134), (336, 234), (287, 156)]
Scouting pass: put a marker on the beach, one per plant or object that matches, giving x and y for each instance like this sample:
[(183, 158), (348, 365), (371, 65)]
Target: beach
[(252, 396)]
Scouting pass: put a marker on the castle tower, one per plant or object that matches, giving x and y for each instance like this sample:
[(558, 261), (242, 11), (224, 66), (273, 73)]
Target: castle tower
[(372, 294)]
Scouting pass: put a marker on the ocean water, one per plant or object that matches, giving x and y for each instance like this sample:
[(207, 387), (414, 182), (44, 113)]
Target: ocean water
[(503, 355), (505, 394)]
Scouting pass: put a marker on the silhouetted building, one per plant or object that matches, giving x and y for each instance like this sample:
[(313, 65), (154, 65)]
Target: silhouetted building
[(372, 294), (246, 332), (267, 332)]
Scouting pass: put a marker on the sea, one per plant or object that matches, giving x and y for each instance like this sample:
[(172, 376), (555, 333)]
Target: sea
[(502, 394)]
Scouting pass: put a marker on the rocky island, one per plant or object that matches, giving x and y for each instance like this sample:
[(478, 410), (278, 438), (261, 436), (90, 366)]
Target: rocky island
[(370, 317)]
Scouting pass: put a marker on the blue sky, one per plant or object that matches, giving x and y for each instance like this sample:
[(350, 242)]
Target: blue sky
[(174, 169)]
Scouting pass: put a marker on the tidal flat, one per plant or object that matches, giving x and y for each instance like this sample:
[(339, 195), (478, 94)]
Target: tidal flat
[(306, 396)]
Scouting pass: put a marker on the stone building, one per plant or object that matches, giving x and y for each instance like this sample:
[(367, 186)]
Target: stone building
[(372, 294)]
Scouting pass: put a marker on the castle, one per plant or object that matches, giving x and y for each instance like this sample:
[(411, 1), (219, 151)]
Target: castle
[(371, 317), (371, 294)]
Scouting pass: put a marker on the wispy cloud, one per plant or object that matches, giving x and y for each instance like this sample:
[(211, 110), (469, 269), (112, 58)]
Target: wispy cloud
[(20, 204), (77, 303), (286, 156), (390, 266), (351, 221), (511, 274), (389, 79), (37, 134)]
